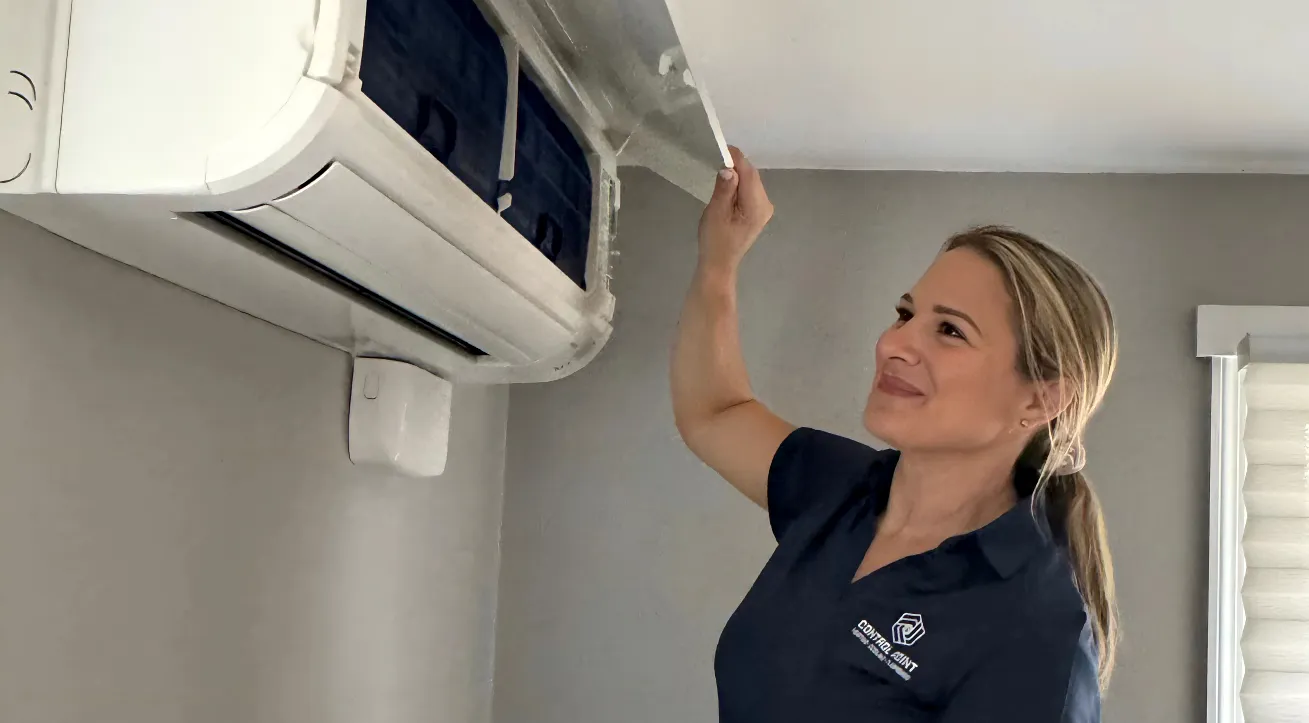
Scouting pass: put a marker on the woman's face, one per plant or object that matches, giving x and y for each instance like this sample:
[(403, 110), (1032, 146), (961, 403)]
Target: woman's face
[(947, 376)]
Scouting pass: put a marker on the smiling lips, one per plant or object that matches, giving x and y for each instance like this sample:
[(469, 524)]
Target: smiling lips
[(897, 387)]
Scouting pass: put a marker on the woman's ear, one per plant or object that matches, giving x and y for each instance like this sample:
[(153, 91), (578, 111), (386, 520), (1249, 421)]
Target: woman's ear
[(1046, 401)]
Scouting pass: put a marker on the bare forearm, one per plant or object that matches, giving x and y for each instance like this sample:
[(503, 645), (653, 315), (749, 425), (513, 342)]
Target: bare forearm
[(708, 369)]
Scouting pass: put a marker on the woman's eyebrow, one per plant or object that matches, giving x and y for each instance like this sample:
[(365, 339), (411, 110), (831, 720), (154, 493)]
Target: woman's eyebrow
[(948, 311), (957, 313)]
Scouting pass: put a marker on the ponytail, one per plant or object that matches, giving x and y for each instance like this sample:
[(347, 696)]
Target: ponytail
[(1074, 508), (1065, 496)]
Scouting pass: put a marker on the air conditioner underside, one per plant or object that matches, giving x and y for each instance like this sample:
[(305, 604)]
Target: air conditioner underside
[(250, 275)]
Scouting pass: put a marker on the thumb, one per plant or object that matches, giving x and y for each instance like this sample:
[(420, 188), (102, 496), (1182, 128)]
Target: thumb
[(724, 189)]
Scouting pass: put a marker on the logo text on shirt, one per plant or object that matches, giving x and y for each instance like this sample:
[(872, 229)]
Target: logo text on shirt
[(882, 648)]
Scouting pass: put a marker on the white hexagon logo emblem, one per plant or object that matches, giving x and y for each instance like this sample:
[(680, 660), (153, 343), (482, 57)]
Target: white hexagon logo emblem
[(908, 629)]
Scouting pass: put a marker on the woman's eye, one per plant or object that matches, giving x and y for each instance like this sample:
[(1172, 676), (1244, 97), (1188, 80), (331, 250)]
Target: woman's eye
[(903, 315), (951, 330)]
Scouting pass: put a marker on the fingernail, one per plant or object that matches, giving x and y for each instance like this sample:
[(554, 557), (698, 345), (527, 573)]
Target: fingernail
[(727, 174)]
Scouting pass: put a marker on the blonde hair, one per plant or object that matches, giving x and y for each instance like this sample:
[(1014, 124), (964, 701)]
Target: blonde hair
[(1065, 335)]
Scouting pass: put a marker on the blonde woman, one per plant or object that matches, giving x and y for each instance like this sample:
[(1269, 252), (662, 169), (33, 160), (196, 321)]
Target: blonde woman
[(963, 577)]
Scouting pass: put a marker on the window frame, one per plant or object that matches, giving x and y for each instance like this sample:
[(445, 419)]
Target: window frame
[(1225, 335)]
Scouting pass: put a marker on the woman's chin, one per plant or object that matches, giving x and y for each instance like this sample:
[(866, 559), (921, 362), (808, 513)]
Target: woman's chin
[(882, 423)]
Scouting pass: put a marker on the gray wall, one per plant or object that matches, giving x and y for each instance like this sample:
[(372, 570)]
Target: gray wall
[(183, 537), (624, 556)]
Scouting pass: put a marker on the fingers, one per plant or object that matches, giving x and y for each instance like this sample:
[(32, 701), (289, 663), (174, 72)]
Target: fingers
[(724, 197), (737, 156), (751, 196)]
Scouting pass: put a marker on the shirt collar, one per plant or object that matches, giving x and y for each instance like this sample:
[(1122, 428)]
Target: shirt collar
[(1008, 542)]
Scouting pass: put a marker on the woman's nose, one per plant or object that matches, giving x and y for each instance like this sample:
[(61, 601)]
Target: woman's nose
[(900, 342)]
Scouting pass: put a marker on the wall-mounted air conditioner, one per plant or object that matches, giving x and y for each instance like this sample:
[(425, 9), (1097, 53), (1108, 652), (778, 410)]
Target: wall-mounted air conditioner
[(433, 181)]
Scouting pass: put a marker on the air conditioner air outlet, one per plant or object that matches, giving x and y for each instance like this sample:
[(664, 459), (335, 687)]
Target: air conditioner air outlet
[(253, 234)]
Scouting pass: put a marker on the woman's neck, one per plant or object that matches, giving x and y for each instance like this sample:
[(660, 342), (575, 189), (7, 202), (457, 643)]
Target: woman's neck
[(942, 495)]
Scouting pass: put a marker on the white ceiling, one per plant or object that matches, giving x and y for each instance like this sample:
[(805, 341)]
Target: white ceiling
[(1031, 85)]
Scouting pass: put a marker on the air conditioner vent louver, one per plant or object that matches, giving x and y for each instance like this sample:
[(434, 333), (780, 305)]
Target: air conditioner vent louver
[(269, 242)]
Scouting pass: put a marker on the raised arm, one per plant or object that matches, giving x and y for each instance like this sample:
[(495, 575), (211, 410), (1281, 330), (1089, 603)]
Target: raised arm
[(715, 409)]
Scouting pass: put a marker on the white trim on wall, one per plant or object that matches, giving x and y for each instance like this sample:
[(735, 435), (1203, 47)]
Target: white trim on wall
[(1230, 336), (1225, 514)]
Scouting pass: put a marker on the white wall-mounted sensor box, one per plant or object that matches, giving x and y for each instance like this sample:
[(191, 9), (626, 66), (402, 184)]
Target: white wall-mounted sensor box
[(399, 417)]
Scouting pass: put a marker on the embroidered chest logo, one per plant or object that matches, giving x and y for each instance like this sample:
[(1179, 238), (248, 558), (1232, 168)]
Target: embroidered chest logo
[(906, 631)]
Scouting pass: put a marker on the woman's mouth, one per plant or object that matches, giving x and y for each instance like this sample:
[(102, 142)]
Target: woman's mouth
[(897, 387)]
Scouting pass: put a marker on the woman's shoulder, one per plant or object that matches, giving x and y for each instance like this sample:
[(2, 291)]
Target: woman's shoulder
[(1057, 632), (814, 471), (811, 452), (1052, 623), (1042, 666), (1043, 599), (834, 447), (1039, 604)]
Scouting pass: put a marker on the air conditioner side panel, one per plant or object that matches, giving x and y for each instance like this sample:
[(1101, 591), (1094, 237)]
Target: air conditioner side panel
[(33, 49), (153, 87)]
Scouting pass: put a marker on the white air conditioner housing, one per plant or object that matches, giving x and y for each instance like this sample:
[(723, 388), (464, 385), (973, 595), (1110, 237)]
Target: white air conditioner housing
[(230, 146)]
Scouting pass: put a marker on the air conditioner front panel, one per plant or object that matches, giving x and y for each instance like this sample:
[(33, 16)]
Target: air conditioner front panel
[(347, 225), (364, 138)]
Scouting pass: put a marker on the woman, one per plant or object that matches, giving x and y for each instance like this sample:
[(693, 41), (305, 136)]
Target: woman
[(966, 576)]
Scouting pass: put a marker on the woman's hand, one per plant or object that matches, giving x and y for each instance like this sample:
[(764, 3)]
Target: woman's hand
[(735, 216)]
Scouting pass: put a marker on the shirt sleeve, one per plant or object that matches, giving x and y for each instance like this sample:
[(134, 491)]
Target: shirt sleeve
[(1038, 677), (811, 473)]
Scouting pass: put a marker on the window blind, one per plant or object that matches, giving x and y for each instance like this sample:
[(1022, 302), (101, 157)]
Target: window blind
[(1275, 544)]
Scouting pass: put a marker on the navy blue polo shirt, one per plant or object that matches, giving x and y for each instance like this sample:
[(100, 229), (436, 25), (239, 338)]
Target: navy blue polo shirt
[(988, 627)]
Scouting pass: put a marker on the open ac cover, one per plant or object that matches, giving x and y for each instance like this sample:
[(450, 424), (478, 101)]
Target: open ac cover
[(433, 181)]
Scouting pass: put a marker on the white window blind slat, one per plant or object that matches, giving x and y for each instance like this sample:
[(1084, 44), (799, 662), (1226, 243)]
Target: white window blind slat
[(1276, 594), (1275, 544), (1275, 697), (1276, 491), (1277, 646)]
